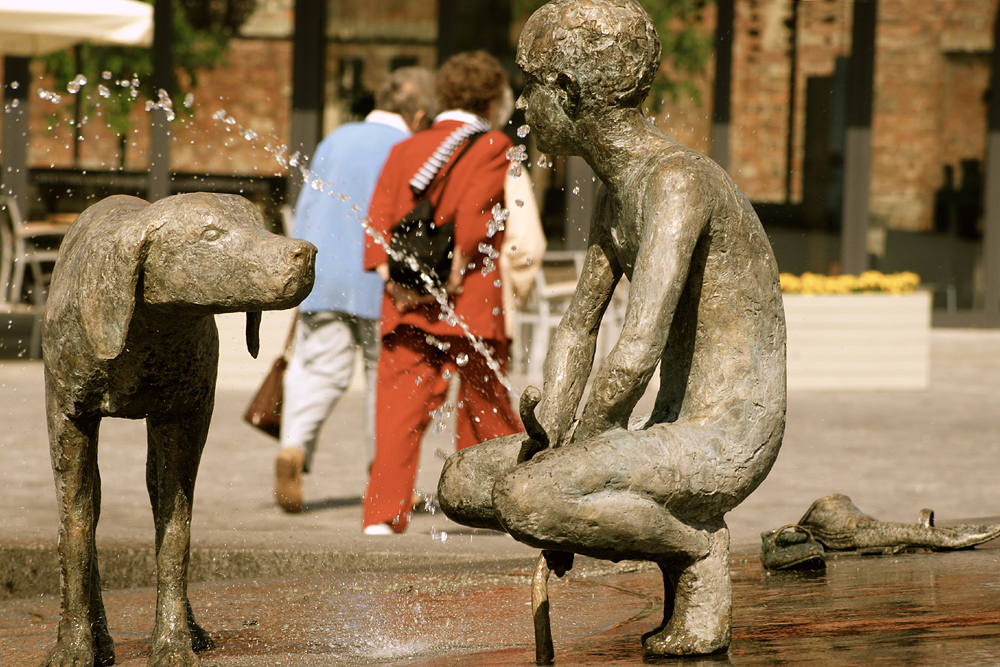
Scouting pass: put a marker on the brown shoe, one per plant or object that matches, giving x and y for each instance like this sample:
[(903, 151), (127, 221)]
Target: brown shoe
[(288, 478)]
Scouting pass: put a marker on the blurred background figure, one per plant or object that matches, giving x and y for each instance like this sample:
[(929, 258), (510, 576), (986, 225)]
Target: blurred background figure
[(421, 347), (342, 312), (524, 241)]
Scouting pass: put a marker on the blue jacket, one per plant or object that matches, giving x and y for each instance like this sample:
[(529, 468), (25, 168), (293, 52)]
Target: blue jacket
[(330, 211)]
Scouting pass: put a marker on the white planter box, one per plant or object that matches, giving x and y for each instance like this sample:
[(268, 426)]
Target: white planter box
[(858, 341)]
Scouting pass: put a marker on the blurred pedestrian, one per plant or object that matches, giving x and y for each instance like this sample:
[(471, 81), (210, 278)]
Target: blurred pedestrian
[(421, 346), (341, 314)]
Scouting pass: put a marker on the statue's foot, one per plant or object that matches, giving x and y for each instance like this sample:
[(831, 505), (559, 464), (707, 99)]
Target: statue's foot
[(172, 654), (104, 647), (201, 640), (666, 644), (701, 620), (71, 654)]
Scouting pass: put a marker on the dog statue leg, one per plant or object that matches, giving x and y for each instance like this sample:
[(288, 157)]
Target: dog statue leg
[(83, 635), (174, 452), (104, 646)]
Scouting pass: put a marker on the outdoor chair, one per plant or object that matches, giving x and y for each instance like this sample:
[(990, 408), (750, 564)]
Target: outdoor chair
[(555, 284), (23, 244), (34, 244)]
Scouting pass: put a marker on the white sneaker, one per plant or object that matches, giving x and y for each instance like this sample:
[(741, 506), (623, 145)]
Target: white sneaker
[(378, 529)]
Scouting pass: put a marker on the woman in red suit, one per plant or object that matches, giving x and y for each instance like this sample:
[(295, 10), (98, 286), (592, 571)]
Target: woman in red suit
[(422, 347)]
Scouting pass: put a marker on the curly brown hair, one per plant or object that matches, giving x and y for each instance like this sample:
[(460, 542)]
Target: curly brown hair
[(470, 81)]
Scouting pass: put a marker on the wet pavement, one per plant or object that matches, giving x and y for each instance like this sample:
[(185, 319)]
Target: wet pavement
[(310, 589), (910, 609)]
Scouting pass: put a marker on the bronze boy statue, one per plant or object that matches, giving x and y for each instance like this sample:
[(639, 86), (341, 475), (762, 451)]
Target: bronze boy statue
[(704, 303)]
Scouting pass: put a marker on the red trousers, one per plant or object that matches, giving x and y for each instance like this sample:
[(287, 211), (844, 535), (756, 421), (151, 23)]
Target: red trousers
[(412, 382)]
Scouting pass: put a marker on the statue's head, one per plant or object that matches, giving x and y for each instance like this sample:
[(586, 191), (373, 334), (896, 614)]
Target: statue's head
[(588, 53)]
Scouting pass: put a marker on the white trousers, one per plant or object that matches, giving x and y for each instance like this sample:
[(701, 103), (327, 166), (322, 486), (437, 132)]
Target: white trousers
[(320, 371)]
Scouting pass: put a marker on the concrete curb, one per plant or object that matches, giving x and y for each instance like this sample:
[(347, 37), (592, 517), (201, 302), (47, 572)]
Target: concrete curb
[(27, 571)]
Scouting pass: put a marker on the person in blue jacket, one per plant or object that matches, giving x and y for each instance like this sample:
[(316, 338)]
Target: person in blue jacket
[(342, 312)]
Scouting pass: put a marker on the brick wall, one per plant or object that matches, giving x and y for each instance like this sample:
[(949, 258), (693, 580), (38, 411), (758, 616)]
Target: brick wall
[(931, 75), (252, 88), (932, 70)]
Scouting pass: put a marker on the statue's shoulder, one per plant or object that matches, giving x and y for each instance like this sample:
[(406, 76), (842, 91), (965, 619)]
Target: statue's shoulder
[(680, 170)]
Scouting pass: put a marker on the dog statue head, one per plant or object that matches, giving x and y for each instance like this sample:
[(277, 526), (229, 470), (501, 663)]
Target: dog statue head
[(198, 253)]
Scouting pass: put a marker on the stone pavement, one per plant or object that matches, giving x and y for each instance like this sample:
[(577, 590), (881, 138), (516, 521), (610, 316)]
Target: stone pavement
[(442, 592)]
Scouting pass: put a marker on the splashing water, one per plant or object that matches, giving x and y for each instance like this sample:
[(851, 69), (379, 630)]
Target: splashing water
[(295, 162), (163, 102), (523, 131), (440, 418), (53, 97)]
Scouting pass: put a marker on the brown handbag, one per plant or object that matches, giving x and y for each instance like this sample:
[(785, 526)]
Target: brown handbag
[(264, 411)]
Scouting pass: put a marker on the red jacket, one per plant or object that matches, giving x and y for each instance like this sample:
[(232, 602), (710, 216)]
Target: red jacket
[(472, 188)]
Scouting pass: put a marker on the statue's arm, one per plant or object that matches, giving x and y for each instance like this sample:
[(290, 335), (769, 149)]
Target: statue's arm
[(570, 357), (674, 219)]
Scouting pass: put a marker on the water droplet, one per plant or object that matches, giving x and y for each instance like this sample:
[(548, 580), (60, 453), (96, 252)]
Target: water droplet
[(462, 359), (189, 100), (77, 83), (106, 75), (498, 283), (523, 131), (517, 153), (103, 90), (496, 310), (14, 85), (438, 535), (576, 190), (446, 374)]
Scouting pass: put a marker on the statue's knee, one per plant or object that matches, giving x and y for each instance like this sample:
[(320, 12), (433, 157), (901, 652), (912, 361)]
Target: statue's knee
[(457, 490), (520, 502)]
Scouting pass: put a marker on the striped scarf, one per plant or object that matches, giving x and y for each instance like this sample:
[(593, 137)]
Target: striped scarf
[(426, 173)]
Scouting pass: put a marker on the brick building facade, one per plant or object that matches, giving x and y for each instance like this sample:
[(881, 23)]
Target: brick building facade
[(931, 76)]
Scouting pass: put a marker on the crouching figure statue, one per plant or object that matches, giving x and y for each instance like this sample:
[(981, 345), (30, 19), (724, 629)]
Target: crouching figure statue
[(704, 303)]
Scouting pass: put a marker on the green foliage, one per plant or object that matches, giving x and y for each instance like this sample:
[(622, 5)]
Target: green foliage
[(118, 77), (686, 50)]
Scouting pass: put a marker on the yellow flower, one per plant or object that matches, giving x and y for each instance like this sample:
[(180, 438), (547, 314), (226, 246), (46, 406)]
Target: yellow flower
[(869, 281)]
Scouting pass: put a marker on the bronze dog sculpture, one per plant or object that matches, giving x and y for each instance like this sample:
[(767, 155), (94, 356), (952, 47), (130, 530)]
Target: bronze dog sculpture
[(129, 331)]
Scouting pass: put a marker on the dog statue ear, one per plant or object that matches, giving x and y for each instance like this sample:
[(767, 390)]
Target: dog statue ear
[(253, 333), (108, 269)]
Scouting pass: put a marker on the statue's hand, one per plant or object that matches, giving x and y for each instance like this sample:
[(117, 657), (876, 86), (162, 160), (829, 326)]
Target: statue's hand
[(559, 562), (538, 438)]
